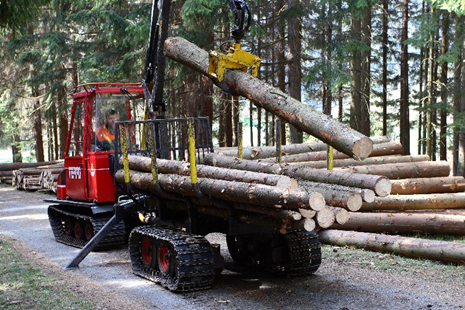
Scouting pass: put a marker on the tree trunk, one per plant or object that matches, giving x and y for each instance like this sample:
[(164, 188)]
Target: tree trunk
[(459, 164), (404, 92), (443, 83), (294, 65), (417, 202), (428, 186), (405, 170), (366, 71), (385, 62), (356, 91), (429, 128), (306, 119), (461, 151), (380, 185), (444, 251)]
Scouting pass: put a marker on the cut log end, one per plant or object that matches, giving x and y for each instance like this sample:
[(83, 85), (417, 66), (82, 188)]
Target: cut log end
[(325, 217), (383, 187), (317, 201), (354, 202), (362, 148)]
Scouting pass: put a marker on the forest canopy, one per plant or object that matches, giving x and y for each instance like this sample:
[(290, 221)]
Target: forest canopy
[(392, 68)]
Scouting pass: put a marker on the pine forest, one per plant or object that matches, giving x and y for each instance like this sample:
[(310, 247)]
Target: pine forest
[(387, 68)]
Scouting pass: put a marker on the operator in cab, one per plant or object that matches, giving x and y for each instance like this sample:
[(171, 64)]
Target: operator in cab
[(106, 133)]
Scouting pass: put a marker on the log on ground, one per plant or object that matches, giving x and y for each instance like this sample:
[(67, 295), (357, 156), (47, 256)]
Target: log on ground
[(424, 169), (304, 118), (417, 202), (380, 160), (405, 223), (451, 252), (428, 185)]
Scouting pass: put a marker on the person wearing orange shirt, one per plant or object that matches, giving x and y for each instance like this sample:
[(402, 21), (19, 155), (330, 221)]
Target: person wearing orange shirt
[(106, 133)]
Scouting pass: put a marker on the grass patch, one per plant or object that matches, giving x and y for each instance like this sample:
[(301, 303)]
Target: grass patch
[(24, 287)]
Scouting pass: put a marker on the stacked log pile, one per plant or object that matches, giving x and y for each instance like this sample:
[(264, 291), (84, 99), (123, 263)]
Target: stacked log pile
[(282, 197), (31, 176)]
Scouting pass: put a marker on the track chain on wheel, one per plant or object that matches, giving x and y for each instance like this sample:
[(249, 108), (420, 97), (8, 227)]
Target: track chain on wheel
[(176, 260), (304, 253), (90, 225)]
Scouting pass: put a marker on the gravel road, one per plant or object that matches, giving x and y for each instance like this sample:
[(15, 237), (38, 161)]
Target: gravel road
[(344, 281)]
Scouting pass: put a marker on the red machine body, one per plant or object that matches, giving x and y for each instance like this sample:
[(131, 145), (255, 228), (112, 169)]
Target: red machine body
[(88, 176)]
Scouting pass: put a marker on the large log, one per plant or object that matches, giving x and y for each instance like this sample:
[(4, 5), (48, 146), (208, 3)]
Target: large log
[(391, 148), (417, 202), (424, 169), (452, 252), (141, 163), (379, 184), (428, 185), (288, 149), (16, 166), (405, 223), (333, 195), (380, 160), (264, 195), (304, 118)]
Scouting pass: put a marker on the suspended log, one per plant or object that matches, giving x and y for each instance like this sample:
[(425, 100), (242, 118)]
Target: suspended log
[(141, 163), (16, 166), (334, 196), (259, 194), (379, 184), (390, 148), (6, 174), (428, 185), (405, 223), (381, 160), (366, 194), (289, 149), (443, 251), (425, 169), (417, 202), (304, 118)]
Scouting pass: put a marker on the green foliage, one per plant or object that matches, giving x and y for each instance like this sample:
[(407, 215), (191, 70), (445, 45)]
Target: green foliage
[(457, 6)]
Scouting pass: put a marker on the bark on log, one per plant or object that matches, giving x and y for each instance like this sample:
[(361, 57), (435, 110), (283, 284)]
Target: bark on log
[(379, 184), (383, 149), (278, 213), (426, 169), (141, 163), (367, 194), (263, 195), (6, 174), (444, 251), (417, 202), (304, 118), (428, 186), (381, 160), (405, 223), (16, 166), (335, 196), (289, 149)]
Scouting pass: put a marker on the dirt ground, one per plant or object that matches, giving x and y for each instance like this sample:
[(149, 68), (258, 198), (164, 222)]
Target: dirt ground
[(347, 279)]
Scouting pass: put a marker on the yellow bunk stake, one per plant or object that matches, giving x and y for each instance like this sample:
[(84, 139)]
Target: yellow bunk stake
[(236, 58), (124, 149), (192, 160), (153, 157), (330, 158)]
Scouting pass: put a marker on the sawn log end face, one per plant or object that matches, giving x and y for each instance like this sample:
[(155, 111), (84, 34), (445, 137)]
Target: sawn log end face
[(363, 148)]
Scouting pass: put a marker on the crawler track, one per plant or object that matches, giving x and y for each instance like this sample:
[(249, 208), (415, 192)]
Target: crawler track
[(176, 260), (64, 229)]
